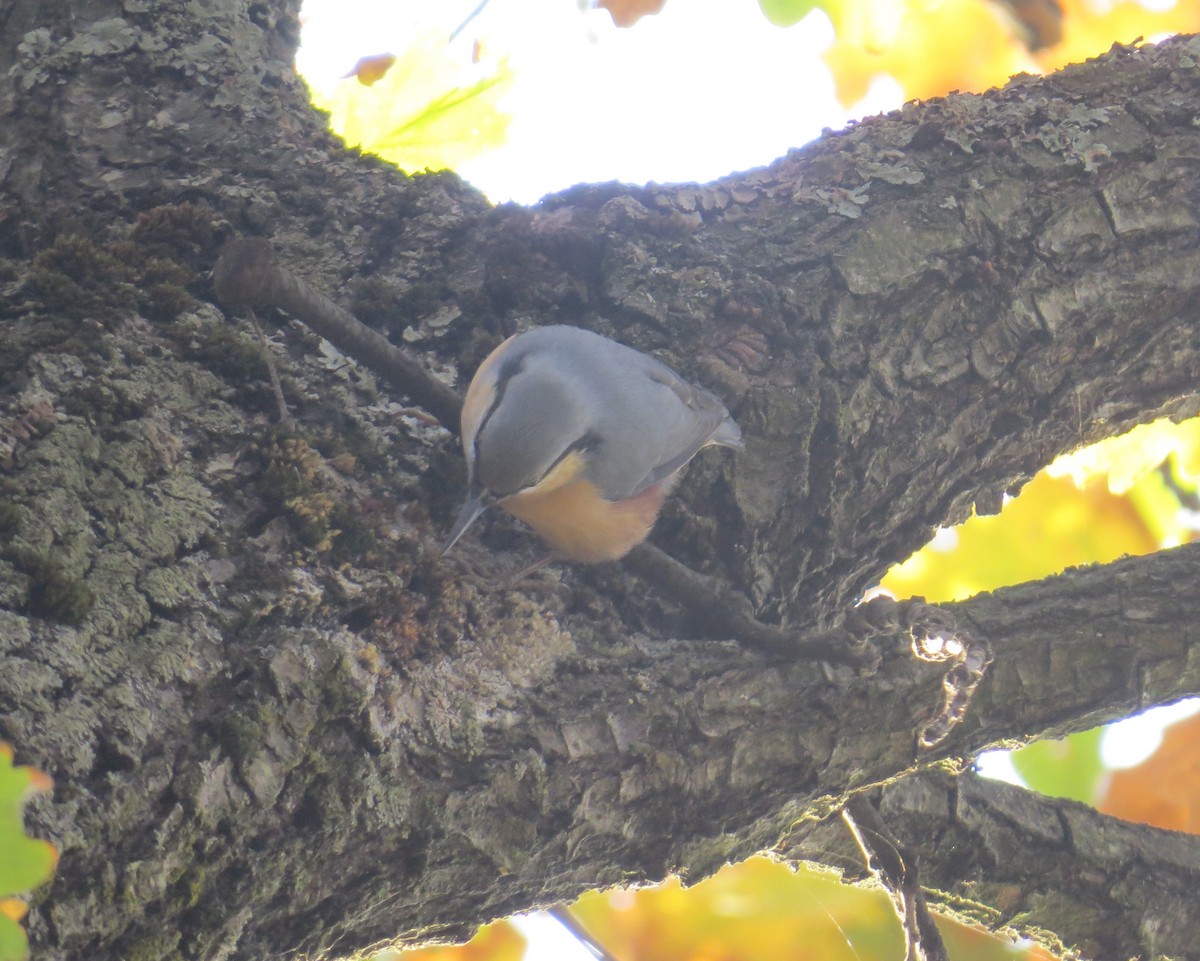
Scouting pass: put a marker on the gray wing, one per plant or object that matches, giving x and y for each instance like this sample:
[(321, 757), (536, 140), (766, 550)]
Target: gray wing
[(708, 416), (667, 420), (648, 421)]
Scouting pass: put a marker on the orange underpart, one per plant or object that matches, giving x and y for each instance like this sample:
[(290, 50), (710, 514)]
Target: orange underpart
[(582, 526)]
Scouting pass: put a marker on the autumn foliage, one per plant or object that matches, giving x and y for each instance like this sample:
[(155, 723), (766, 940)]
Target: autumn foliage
[(1164, 790), (931, 47), (25, 862)]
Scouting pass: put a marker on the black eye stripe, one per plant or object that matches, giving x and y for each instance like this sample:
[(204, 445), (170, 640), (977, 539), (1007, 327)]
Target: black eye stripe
[(508, 370)]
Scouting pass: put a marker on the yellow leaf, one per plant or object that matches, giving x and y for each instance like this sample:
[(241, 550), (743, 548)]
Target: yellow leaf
[(763, 910), (1187, 455), (493, 942), (1091, 27), (931, 47), (430, 110), (1088, 507), (1124, 459), (1053, 524)]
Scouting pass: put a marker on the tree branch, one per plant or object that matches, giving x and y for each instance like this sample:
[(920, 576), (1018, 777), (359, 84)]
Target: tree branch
[(893, 866), (1017, 862), (1085, 647), (283, 725)]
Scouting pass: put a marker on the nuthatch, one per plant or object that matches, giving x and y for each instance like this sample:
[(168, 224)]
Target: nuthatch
[(582, 438)]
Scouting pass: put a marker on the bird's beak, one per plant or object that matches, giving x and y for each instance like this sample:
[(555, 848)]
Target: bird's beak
[(477, 502)]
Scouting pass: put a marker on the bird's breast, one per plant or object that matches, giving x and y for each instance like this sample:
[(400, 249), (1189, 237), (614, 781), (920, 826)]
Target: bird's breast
[(580, 524)]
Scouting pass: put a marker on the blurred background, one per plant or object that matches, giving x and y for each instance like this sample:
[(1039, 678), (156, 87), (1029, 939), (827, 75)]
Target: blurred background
[(527, 97)]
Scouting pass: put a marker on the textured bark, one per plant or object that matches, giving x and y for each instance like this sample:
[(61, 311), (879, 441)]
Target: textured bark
[(278, 722), (991, 854)]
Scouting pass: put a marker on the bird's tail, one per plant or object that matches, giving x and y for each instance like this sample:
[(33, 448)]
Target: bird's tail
[(728, 434)]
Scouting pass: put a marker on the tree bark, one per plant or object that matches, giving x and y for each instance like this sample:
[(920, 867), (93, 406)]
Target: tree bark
[(279, 722), (993, 853)]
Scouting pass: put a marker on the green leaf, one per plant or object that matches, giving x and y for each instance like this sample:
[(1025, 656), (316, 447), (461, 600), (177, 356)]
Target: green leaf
[(14, 946), (1069, 767), (785, 13), (24, 862)]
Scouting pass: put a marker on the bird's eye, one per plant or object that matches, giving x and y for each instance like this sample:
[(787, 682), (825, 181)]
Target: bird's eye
[(588, 442)]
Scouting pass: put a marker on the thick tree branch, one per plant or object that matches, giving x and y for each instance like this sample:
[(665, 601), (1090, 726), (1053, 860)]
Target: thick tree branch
[(1015, 861), (278, 722), (1086, 647)]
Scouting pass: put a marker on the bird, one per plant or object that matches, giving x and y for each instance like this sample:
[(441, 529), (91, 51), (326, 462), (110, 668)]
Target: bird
[(582, 438)]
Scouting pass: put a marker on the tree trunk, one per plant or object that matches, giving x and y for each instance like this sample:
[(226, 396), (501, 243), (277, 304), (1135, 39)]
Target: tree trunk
[(279, 722)]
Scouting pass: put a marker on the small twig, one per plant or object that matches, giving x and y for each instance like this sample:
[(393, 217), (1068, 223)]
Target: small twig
[(728, 613), (470, 16), (285, 417), (892, 867), (249, 275), (562, 914)]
